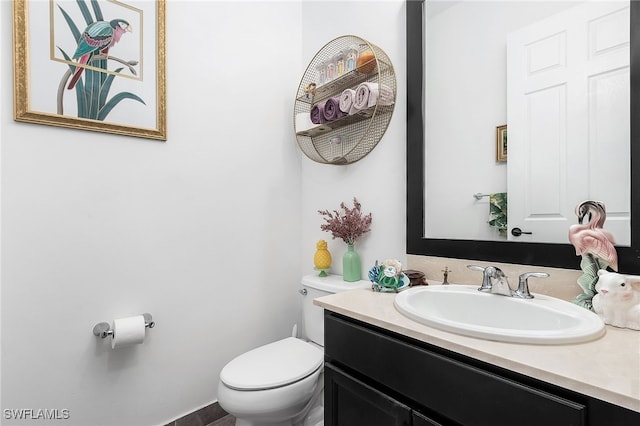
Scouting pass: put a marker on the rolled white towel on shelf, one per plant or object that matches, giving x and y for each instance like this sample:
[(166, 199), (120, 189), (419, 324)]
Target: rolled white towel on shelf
[(346, 101), (363, 93), (369, 94)]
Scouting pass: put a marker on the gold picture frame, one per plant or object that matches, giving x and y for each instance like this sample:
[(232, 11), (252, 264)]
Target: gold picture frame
[(501, 143), (120, 87)]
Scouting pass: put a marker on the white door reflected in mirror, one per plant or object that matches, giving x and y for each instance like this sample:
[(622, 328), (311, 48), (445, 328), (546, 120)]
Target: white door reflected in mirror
[(561, 152), (466, 99)]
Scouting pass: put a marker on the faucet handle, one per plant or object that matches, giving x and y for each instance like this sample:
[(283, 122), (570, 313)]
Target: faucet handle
[(523, 284), (486, 275), (476, 268)]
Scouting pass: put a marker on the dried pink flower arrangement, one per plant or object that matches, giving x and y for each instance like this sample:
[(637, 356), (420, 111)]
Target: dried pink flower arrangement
[(349, 224)]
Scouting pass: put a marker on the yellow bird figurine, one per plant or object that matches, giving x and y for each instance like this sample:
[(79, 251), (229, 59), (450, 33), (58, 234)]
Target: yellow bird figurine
[(322, 258)]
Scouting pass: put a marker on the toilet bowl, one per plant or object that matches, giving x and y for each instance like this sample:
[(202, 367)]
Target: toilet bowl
[(273, 384), (281, 383)]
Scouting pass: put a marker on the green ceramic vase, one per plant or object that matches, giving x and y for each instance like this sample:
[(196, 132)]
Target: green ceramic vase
[(351, 265)]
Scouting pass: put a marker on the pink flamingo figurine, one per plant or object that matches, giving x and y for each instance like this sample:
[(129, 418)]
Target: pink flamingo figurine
[(591, 239)]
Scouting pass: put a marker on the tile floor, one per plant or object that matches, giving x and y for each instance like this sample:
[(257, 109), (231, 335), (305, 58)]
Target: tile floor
[(227, 420), (211, 415)]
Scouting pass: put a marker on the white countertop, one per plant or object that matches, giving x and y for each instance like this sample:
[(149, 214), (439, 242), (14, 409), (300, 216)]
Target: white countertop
[(607, 368)]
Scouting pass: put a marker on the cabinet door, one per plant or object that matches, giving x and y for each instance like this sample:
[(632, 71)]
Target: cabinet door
[(350, 402)]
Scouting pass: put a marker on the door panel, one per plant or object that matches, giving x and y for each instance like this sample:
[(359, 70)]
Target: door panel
[(568, 121)]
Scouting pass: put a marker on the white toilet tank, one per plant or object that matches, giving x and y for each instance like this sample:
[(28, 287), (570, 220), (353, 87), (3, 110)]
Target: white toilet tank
[(316, 286)]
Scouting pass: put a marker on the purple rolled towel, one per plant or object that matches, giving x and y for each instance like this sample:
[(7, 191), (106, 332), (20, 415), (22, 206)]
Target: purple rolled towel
[(317, 114), (332, 109)]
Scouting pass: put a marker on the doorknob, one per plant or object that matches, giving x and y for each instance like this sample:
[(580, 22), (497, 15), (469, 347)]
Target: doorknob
[(516, 232)]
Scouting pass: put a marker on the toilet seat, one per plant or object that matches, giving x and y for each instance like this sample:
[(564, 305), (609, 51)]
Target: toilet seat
[(273, 365)]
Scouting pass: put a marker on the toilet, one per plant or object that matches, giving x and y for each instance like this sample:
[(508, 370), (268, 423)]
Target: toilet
[(282, 383)]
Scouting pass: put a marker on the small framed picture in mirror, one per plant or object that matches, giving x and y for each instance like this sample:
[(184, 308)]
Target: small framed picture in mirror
[(501, 143)]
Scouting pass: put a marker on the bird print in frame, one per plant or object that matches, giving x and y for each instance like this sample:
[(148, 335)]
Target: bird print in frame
[(89, 74), (101, 65)]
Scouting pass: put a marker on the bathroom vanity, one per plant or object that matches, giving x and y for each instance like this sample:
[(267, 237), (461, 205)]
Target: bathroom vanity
[(385, 369)]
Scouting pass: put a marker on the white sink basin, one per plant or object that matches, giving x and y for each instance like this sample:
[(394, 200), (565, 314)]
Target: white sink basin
[(464, 310)]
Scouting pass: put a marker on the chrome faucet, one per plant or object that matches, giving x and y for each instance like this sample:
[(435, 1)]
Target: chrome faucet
[(494, 281)]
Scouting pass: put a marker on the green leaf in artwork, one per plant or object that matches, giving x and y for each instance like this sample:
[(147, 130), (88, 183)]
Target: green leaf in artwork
[(106, 86), (97, 10), (72, 26), (85, 12), (114, 101)]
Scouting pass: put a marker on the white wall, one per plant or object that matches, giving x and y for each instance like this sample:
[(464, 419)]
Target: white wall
[(209, 231), (202, 231), (378, 180)]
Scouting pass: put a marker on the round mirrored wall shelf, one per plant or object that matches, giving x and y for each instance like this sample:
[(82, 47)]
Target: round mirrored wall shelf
[(345, 101)]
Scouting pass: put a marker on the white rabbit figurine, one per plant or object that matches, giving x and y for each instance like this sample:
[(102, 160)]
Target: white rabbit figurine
[(618, 299)]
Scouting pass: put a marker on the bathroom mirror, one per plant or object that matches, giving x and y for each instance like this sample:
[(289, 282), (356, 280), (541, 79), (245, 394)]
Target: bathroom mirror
[(530, 253)]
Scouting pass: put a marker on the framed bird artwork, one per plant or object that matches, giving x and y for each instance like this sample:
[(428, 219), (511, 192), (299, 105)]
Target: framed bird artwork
[(95, 65)]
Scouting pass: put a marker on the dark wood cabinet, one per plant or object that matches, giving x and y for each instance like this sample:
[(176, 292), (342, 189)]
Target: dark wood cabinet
[(390, 379), (422, 420), (356, 403)]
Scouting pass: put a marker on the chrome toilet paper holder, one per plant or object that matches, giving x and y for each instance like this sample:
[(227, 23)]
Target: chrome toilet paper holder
[(103, 329)]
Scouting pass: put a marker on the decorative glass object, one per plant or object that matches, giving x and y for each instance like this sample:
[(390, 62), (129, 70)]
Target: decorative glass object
[(331, 70), (340, 66), (322, 73), (351, 265), (351, 58)]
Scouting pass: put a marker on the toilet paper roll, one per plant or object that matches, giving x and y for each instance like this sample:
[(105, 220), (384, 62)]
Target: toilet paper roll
[(128, 331), (303, 122)]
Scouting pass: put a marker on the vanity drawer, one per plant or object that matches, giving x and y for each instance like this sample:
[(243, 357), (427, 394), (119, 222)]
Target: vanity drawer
[(463, 393)]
